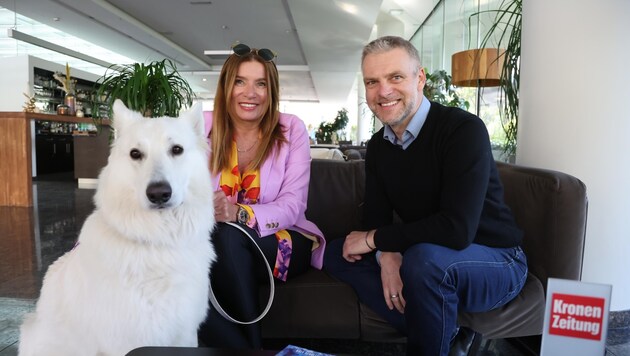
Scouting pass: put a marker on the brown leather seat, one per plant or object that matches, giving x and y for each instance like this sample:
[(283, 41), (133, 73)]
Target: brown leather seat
[(550, 206)]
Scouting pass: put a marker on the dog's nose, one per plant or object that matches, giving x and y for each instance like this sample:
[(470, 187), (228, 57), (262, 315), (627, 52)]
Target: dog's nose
[(159, 192)]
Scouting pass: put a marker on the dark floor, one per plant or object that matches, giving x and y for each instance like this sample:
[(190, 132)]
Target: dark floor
[(32, 238)]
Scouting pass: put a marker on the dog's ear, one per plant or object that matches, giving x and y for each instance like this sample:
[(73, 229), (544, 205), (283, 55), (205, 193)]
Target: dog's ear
[(195, 117), (122, 116)]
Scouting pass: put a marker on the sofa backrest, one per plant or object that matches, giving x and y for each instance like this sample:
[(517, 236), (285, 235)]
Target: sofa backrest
[(335, 196), (550, 207)]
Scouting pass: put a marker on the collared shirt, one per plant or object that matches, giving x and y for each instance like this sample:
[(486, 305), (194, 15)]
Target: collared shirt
[(413, 128), (410, 134)]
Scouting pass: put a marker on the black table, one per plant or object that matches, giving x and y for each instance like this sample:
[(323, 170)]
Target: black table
[(197, 351)]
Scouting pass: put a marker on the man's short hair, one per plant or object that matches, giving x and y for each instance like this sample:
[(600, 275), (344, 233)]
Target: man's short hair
[(387, 43)]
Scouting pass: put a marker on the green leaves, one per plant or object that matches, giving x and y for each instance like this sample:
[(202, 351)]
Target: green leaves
[(439, 88), (505, 32), (325, 131), (154, 89)]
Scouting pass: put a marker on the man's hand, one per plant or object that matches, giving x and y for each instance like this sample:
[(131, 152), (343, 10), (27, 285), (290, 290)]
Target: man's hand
[(224, 211), (392, 283), (355, 245)]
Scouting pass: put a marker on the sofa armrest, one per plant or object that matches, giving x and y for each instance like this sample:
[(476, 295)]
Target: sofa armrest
[(551, 208)]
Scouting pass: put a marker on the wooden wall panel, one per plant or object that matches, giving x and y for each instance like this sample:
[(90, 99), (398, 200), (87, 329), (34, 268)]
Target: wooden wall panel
[(90, 153), (18, 265), (15, 160), (16, 182)]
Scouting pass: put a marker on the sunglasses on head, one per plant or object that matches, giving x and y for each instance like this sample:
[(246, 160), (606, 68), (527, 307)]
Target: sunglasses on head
[(266, 54)]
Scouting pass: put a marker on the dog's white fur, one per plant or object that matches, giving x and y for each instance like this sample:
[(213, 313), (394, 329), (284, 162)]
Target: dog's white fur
[(139, 274)]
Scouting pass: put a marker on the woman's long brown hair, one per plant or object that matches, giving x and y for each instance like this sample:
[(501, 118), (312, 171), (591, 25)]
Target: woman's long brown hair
[(222, 126)]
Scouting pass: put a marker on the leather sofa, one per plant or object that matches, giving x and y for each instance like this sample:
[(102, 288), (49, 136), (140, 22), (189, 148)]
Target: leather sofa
[(550, 206)]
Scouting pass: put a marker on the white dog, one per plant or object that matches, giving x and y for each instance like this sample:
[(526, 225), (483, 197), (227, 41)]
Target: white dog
[(139, 273)]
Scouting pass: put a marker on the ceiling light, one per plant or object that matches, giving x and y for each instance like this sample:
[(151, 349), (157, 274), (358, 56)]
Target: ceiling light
[(15, 34), (396, 12), (347, 7), (217, 54)]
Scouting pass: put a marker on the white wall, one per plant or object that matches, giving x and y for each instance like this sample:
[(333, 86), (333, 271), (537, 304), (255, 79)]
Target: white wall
[(15, 82), (574, 96)]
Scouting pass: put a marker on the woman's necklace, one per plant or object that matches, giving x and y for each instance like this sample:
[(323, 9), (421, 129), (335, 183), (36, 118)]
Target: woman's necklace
[(247, 150)]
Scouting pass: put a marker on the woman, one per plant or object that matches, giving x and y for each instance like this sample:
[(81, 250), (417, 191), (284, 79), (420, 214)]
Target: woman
[(260, 163)]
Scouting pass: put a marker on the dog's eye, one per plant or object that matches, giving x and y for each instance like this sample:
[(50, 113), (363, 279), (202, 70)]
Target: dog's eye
[(177, 150), (135, 154)]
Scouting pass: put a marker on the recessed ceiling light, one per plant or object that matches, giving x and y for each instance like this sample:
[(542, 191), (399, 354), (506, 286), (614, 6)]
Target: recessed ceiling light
[(396, 12), (217, 54), (347, 7)]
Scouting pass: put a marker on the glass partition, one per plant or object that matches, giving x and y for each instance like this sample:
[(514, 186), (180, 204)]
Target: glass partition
[(454, 26)]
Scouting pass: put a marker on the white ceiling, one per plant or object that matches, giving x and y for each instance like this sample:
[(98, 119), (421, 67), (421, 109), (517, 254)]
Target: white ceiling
[(318, 42)]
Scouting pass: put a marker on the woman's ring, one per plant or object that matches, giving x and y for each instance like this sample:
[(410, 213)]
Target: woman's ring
[(394, 296)]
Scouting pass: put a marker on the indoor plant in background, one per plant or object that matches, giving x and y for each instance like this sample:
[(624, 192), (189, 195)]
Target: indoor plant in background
[(329, 132), (439, 88), (155, 89), (505, 32)]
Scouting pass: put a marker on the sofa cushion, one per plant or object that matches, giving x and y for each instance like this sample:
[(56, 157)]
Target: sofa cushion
[(312, 305), (522, 316), (375, 329)]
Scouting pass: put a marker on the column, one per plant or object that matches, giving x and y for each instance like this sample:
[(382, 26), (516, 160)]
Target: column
[(574, 118)]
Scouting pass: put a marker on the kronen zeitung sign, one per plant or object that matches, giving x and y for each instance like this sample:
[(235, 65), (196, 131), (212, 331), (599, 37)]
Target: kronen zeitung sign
[(576, 318)]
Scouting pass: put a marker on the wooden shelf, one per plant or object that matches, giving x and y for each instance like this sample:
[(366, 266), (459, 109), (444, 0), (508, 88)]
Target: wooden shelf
[(51, 117)]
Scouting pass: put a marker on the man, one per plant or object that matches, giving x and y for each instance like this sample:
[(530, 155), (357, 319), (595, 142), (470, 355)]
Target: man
[(454, 244)]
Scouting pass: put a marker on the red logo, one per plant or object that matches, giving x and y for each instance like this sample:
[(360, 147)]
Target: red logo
[(576, 316)]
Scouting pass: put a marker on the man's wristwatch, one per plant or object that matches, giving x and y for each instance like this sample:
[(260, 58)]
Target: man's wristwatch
[(242, 216)]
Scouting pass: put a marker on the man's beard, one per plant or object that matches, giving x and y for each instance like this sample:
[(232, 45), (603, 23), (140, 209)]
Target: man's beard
[(400, 118)]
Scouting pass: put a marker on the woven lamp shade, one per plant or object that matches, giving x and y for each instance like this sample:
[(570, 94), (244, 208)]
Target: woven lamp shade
[(477, 67)]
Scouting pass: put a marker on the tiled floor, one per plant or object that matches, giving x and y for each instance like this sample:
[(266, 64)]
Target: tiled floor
[(32, 238)]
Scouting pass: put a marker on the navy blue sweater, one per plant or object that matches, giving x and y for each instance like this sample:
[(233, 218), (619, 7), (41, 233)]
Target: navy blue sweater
[(444, 187)]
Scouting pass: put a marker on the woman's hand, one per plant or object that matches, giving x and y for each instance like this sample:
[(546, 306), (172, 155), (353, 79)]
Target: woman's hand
[(392, 283), (224, 211)]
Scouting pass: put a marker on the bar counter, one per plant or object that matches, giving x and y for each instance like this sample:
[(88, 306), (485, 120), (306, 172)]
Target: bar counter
[(16, 158)]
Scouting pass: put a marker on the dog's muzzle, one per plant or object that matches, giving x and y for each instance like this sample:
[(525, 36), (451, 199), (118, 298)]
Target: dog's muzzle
[(159, 193)]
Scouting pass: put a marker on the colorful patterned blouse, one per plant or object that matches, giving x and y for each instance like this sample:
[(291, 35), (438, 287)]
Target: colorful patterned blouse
[(244, 190)]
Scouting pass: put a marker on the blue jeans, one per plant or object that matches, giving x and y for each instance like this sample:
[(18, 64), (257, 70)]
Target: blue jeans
[(437, 283)]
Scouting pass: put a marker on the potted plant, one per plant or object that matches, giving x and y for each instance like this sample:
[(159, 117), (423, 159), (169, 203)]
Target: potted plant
[(505, 32), (328, 132), (439, 88), (154, 89)]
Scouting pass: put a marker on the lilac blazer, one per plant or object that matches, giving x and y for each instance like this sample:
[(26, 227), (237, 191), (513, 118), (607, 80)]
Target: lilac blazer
[(284, 178)]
